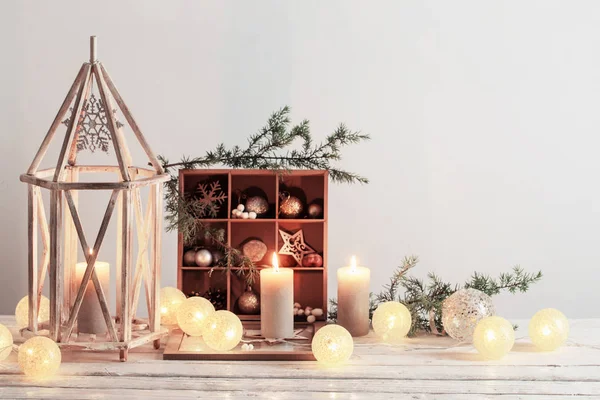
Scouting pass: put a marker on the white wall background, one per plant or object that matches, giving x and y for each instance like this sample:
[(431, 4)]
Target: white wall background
[(484, 117)]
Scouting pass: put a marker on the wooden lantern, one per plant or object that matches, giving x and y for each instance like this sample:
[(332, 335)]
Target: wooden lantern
[(61, 234)]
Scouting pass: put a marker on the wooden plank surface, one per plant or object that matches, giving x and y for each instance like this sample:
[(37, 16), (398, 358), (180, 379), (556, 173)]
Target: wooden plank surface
[(425, 367)]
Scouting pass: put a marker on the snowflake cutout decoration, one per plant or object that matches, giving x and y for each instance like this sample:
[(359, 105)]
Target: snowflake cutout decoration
[(294, 245), (92, 127), (210, 197)]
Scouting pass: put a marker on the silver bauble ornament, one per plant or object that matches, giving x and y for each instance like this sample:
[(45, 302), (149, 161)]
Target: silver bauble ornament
[(291, 207), (203, 258), (249, 302), (257, 204), (189, 257), (463, 310)]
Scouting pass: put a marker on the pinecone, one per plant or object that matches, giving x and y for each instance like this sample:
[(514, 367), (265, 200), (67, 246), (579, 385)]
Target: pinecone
[(217, 297)]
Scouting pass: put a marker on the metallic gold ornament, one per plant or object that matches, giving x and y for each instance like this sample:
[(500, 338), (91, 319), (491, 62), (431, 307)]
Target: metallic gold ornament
[(249, 302), (290, 206), (257, 204), (189, 257), (255, 250), (203, 258), (315, 211)]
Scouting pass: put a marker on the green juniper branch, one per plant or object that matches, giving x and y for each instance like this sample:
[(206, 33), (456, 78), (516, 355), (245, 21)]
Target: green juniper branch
[(267, 149)]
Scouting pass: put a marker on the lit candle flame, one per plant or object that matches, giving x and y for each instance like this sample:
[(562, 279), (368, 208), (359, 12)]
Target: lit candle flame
[(91, 251), (353, 264), (275, 263)]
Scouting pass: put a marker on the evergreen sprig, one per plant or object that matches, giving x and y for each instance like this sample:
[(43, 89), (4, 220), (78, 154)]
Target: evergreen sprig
[(424, 298), (268, 149)]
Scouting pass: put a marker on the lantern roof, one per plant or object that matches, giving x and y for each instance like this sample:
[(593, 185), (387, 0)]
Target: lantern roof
[(92, 124)]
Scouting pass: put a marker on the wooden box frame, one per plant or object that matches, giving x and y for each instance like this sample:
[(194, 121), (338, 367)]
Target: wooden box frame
[(313, 182)]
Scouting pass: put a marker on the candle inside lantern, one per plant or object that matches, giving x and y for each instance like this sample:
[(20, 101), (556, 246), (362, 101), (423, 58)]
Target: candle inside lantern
[(353, 298), (90, 318), (277, 301)]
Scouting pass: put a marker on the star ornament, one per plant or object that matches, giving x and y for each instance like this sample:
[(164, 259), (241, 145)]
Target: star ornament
[(294, 245)]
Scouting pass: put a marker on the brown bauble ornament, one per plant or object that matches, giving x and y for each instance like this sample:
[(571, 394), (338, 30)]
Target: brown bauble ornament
[(315, 211), (189, 257), (312, 260), (257, 204), (291, 207), (249, 302), (217, 256), (254, 249)]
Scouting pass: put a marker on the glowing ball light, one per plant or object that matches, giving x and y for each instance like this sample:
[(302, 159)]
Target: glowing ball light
[(22, 311), (193, 314), (548, 329), (392, 321), (6, 342), (494, 337), (170, 300), (223, 331), (39, 357), (332, 345)]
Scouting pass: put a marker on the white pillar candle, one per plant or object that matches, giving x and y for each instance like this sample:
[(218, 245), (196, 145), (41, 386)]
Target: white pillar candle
[(90, 318), (353, 298), (277, 301)]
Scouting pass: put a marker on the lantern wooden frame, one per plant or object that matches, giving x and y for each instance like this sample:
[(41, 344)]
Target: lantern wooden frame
[(59, 235)]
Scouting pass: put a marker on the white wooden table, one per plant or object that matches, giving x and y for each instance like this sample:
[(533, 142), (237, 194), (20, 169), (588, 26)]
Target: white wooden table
[(422, 368)]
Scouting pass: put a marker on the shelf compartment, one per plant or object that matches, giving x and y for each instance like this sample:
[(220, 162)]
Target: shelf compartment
[(190, 184), (264, 231), (254, 185), (200, 281), (313, 236), (308, 188)]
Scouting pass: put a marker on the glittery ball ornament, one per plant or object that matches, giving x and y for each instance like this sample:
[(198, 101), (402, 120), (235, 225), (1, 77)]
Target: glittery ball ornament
[(223, 331), (6, 342), (290, 206), (249, 302), (463, 310), (254, 249), (548, 329), (39, 357), (203, 258), (257, 204), (332, 345)]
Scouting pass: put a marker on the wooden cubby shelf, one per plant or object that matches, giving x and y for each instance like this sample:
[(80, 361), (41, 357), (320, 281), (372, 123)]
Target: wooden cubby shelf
[(310, 283)]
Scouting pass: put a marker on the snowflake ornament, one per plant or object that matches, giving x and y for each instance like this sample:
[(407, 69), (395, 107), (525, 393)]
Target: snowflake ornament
[(210, 197), (92, 127)]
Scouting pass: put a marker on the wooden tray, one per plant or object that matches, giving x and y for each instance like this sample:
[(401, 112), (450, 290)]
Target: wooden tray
[(183, 347)]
